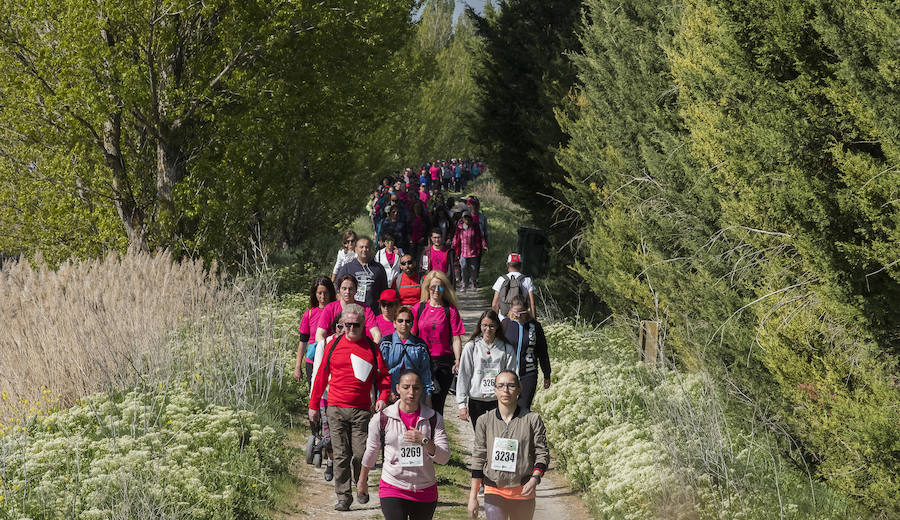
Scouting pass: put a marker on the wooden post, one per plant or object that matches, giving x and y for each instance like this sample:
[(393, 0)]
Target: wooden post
[(650, 342)]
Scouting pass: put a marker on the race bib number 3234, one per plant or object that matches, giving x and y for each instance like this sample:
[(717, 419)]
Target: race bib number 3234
[(504, 454)]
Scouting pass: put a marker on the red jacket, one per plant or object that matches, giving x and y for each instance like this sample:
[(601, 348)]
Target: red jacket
[(350, 386)]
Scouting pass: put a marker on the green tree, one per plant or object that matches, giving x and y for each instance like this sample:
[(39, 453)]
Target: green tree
[(523, 77), (734, 167), (191, 121)]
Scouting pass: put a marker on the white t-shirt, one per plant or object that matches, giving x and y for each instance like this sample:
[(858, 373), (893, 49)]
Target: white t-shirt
[(526, 283)]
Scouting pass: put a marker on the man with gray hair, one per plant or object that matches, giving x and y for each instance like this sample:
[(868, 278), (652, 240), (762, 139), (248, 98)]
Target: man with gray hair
[(355, 366)]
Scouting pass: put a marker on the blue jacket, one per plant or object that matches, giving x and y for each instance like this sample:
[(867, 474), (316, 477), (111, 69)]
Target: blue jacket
[(399, 356)]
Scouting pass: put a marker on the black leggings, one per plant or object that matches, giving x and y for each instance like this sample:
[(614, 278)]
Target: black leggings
[(529, 387), (442, 373), (395, 508), (478, 408)]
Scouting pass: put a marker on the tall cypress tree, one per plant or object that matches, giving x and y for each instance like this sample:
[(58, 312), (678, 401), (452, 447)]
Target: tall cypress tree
[(525, 76)]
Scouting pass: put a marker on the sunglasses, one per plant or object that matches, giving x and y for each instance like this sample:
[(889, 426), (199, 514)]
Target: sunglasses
[(437, 288), (408, 262), (398, 320), (352, 325), (386, 304)]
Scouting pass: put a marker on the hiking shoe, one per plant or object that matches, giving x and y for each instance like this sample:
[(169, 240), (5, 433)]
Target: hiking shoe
[(343, 504), (329, 471), (362, 499)]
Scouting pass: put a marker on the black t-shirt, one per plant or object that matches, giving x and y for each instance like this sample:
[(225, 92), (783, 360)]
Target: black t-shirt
[(371, 278)]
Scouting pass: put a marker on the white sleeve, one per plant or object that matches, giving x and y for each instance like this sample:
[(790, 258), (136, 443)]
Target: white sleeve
[(528, 284), (337, 262), (498, 284)]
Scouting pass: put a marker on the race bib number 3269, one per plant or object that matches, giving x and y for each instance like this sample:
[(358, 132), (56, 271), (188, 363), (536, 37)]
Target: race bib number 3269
[(411, 455)]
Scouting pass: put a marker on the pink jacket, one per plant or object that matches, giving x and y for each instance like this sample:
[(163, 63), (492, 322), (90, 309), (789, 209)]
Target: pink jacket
[(391, 472)]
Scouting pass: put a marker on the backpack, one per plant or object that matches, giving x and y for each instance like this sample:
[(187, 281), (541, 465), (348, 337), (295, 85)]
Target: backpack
[(509, 291)]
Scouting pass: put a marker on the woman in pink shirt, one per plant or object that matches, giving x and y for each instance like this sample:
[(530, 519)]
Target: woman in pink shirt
[(389, 301), (321, 294), (347, 285), (413, 438), (437, 322)]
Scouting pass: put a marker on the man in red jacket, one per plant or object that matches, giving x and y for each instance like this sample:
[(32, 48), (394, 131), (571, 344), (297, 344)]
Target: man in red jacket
[(352, 367)]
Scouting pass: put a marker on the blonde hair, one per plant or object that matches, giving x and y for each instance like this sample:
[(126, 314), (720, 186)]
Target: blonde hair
[(448, 295)]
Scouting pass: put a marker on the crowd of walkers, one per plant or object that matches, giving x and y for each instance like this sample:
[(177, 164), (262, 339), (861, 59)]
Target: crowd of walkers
[(383, 345)]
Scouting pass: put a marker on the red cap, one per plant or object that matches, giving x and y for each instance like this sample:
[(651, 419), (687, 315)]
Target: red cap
[(389, 295), (514, 258)]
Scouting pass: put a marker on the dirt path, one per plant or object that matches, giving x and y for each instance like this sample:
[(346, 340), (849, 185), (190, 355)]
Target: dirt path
[(311, 497)]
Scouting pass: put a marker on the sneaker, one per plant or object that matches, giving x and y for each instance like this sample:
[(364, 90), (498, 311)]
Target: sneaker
[(329, 471), (343, 504)]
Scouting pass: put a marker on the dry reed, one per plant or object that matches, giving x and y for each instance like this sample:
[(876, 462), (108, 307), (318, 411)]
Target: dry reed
[(94, 323)]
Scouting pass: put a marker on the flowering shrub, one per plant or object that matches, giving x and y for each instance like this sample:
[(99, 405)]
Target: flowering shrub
[(646, 443), (157, 453), (598, 424)]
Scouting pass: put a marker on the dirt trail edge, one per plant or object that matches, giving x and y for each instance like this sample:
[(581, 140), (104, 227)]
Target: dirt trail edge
[(315, 498)]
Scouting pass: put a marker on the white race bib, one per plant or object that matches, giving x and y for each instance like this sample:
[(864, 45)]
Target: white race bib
[(411, 455), (361, 293), (361, 367), (487, 380), (504, 454)]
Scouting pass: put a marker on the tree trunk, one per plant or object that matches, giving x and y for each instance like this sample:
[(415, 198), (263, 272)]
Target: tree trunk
[(170, 171), (130, 213)]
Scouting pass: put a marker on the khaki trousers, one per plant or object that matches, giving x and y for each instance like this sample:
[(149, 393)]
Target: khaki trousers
[(349, 429)]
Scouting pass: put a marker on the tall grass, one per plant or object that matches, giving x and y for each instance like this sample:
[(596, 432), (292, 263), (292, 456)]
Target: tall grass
[(91, 323), (138, 318)]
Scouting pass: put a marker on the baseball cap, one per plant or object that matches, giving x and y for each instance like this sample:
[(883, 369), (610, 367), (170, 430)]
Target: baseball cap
[(389, 295), (514, 258)]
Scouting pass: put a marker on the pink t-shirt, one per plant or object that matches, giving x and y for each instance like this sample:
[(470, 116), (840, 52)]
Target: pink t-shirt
[(333, 310), (433, 328), (384, 325), (409, 419), (424, 196), (437, 260), (429, 494), (390, 257), (310, 322)]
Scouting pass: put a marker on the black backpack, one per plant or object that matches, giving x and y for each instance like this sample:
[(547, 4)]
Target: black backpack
[(509, 291)]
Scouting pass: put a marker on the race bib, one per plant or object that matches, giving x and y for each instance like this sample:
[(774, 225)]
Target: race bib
[(411, 455), (361, 293), (504, 454), (487, 380)]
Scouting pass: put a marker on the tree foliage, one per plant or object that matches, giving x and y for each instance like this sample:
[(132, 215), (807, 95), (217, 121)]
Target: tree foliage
[(524, 75), (178, 124), (734, 165)]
